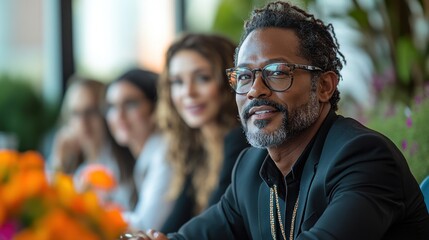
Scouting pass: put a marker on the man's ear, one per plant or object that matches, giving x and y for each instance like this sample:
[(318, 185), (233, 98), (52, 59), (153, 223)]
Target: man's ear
[(327, 84)]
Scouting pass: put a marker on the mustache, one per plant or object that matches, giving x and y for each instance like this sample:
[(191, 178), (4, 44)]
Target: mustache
[(261, 102)]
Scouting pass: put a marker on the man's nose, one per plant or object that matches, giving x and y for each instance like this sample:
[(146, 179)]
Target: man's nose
[(259, 89)]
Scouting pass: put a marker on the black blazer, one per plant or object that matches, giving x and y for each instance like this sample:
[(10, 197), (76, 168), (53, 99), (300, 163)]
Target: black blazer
[(183, 210), (355, 185)]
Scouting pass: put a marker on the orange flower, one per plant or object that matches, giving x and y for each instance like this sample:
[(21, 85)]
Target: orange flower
[(86, 203), (99, 177), (63, 186), (41, 210), (31, 160), (8, 157), (114, 223), (58, 225)]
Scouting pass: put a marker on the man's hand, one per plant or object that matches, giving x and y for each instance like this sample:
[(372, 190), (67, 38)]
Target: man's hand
[(148, 235)]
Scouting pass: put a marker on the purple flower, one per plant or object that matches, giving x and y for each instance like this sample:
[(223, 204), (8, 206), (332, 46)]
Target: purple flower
[(8, 230), (404, 145), (418, 100), (409, 122)]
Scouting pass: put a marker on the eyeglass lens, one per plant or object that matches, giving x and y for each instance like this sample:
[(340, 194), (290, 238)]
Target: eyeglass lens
[(277, 77)]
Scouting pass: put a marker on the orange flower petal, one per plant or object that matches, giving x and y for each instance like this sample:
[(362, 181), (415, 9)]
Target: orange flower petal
[(114, 223), (31, 160), (98, 177), (63, 186)]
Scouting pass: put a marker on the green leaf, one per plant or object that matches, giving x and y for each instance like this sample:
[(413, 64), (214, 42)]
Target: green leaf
[(406, 55), (361, 18), (32, 210), (230, 17)]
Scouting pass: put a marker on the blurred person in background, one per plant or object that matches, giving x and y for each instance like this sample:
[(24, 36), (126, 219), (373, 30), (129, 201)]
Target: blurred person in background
[(200, 122), (131, 101), (83, 141)]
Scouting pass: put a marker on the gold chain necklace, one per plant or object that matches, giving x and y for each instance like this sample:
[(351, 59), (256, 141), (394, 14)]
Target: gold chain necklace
[(273, 191)]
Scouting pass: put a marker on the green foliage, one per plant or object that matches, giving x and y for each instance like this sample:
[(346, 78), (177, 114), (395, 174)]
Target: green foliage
[(396, 44), (407, 55), (394, 40), (230, 18), (231, 14), (408, 128), (24, 113)]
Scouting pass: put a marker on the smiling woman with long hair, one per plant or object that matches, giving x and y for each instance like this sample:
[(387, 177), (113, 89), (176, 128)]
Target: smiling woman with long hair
[(197, 112)]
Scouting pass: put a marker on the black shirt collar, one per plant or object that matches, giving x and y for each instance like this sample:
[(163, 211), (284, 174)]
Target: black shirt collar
[(272, 175)]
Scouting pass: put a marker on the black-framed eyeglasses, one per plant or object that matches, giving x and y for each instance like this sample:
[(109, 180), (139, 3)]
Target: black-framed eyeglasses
[(277, 76)]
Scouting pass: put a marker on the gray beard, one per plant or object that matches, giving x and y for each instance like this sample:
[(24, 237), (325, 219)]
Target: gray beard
[(293, 124)]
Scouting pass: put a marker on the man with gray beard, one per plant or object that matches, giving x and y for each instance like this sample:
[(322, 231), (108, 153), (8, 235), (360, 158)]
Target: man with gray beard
[(311, 174), (293, 123)]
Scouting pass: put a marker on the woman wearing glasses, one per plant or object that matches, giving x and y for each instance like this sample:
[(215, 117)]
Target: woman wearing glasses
[(131, 100), (83, 142), (198, 114)]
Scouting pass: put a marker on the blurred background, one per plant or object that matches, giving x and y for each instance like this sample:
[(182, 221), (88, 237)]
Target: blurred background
[(43, 42)]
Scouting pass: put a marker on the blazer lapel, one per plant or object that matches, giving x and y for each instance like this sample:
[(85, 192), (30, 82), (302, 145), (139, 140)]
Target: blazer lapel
[(310, 169), (264, 211), (306, 180)]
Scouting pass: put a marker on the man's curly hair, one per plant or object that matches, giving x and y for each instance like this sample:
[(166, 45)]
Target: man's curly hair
[(318, 42)]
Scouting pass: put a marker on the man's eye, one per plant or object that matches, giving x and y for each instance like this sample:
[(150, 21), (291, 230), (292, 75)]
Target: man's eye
[(243, 77), (278, 74)]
